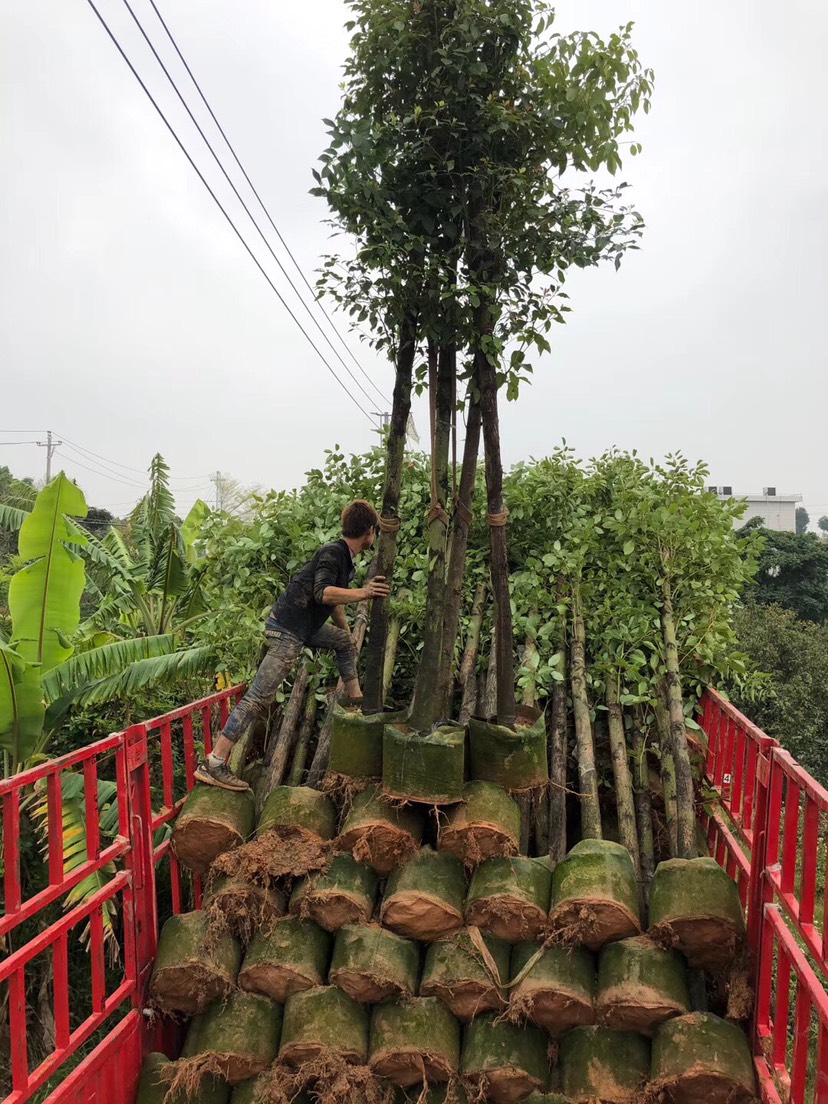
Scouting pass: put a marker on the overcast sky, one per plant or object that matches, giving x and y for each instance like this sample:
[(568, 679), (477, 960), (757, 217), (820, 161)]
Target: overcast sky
[(132, 321)]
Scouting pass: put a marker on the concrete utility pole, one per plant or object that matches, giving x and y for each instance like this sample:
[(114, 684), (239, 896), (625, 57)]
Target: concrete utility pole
[(50, 445), (384, 418), (217, 481)]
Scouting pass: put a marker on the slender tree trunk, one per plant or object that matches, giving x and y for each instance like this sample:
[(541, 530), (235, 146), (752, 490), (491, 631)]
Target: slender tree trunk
[(488, 700), (668, 778), (274, 774), (533, 806), (387, 544), (319, 764), (624, 798), (300, 757), (643, 809), (390, 655), (426, 705), (587, 773), (685, 791), (461, 523), (487, 377), (467, 677), (558, 744)]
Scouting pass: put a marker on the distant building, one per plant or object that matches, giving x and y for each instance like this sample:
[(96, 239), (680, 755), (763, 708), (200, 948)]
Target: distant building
[(777, 511)]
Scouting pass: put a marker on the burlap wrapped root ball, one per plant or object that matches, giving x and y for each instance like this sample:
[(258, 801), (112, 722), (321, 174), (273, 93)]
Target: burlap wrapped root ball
[(414, 1040), (424, 898), (640, 985), (554, 987), (695, 907), (486, 824), (189, 974), (509, 897), (701, 1059), (595, 895), (212, 821), (157, 1073), (381, 833), (324, 1023), (598, 1064), (289, 957), (467, 972), (505, 1061), (234, 1039), (344, 893), (374, 965)]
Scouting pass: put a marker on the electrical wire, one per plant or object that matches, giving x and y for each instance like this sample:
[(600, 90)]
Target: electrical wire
[(259, 199), (238, 196), (221, 207), (97, 471)]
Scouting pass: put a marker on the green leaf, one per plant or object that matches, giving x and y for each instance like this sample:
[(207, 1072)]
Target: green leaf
[(629, 548), (105, 661), (22, 707), (187, 663), (44, 596)]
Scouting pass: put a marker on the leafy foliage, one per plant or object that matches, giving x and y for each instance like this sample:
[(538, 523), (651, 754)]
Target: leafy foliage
[(793, 572), (803, 520)]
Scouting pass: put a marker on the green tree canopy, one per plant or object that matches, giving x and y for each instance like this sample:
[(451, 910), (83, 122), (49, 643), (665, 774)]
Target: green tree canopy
[(793, 572)]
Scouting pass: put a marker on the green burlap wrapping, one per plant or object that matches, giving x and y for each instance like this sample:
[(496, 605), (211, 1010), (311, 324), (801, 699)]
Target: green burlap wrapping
[(356, 742), (595, 895), (427, 767), (505, 1061), (486, 824), (211, 822), (640, 985), (414, 1040), (695, 907), (424, 898), (515, 759), (597, 1064), (701, 1059), (509, 897)]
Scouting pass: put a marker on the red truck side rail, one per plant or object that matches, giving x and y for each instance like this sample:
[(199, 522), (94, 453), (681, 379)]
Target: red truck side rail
[(764, 819)]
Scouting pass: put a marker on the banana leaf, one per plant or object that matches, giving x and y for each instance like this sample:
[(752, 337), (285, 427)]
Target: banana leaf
[(22, 709)]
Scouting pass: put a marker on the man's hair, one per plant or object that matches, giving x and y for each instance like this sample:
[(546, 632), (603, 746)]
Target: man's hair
[(358, 517)]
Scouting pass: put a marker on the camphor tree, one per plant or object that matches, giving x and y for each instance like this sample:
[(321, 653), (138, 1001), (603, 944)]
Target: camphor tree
[(446, 164)]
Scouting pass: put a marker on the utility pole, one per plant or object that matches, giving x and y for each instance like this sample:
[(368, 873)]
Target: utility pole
[(217, 481), (383, 417), (50, 445)]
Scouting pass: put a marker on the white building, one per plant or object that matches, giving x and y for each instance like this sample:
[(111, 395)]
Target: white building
[(777, 511)]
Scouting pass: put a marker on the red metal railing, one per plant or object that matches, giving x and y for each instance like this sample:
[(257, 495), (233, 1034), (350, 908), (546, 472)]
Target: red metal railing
[(766, 826), (766, 823), (119, 915)]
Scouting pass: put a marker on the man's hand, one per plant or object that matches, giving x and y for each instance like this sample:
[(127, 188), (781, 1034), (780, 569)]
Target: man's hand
[(376, 588)]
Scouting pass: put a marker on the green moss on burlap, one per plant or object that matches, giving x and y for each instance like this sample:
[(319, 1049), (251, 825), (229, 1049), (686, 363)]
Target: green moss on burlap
[(356, 742), (155, 1081), (506, 1061), (640, 985), (424, 766), (701, 1059), (486, 824), (380, 833), (465, 979), (414, 1040), (239, 1035), (695, 907), (324, 1021), (596, 1063), (514, 759), (557, 991), (290, 956), (187, 976), (509, 897), (298, 807), (373, 965), (211, 822), (595, 895), (344, 893), (424, 898)]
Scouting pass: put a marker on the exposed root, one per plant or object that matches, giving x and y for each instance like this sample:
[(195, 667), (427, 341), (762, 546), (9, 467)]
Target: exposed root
[(379, 844), (592, 923), (739, 990), (284, 852), (342, 789), (330, 1079), (240, 914), (186, 1076)]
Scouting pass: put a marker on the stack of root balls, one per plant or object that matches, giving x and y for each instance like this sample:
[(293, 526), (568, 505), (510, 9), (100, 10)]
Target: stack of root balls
[(381, 948)]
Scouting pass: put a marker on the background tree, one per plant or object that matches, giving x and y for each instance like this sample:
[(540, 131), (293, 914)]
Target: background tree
[(823, 523), (793, 572), (803, 519)]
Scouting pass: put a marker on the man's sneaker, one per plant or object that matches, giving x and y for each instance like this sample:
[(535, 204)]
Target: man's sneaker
[(218, 775)]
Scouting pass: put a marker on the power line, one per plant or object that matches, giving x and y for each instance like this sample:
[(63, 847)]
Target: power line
[(238, 196), (259, 199), (102, 469), (220, 206), (97, 471)]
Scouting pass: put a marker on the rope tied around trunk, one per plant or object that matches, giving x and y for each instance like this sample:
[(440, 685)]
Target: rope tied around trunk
[(437, 513), (462, 511), (498, 520), (390, 525)]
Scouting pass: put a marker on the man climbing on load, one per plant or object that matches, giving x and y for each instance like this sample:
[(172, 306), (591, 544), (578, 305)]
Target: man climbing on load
[(297, 620)]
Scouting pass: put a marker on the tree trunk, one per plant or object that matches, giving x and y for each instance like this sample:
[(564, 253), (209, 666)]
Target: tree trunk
[(319, 763), (587, 773), (461, 523), (425, 705), (274, 774), (467, 676), (391, 646), (387, 544), (685, 792), (558, 745), (499, 567), (488, 700), (300, 757), (643, 809), (624, 799), (668, 778)]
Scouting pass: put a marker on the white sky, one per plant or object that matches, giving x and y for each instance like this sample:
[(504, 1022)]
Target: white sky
[(132, 321)]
